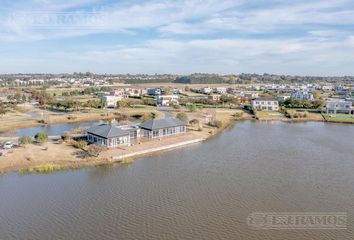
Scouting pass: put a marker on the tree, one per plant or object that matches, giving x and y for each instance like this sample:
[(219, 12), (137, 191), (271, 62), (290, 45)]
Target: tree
[(25, 140), (41, 137), (183, 117)]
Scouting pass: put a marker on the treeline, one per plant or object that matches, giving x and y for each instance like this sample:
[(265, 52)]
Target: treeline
[(157, 80), (294, 103), (70, 105), (202, 79), (86, 91)]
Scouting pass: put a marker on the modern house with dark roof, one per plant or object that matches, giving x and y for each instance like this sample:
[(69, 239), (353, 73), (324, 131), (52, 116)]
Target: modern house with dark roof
[(162, 127), (108, 135)]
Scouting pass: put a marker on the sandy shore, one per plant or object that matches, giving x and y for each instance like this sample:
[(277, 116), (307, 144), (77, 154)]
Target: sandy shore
[(64, 156)]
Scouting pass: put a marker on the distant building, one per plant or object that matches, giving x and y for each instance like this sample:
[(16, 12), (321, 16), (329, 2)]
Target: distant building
[(342, 90), (267, 104), (282, 98), (220, 90), (108, 135), (214, 97), (154, 91), (206, 90), (251, 95), (114, 96), (339, 106), (156, 128), (167, 100), (110, 101), (302, 95)]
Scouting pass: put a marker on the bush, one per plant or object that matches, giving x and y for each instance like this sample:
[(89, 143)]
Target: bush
[(216, 123), (192, 107), (41, 137), (183, 117), (94, 150), (65, 137), (120, 117), (82, 144), (25, 140), (194, 122)]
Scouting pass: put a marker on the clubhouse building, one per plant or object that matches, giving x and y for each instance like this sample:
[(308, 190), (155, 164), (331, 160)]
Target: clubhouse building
[(113, 136)]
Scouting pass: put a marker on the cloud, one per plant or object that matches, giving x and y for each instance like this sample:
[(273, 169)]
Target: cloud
[(182, 36)]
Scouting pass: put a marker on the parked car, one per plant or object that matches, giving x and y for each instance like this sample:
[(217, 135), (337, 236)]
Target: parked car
[(8, 145)]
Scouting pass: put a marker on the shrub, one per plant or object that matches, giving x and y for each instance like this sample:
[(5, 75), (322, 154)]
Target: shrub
[(65, 137), (25, 140), (183, 117), (216, 123), (120, 117), (94, 150), (192, 107), (82, 144), (194, 122), (41, 137)]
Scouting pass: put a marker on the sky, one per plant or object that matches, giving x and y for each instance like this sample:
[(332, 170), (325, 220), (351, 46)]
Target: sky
[(301, 37)]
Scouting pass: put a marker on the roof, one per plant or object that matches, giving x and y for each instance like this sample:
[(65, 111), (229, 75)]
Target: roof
[(107, 131), (162, 123), (265, 99)]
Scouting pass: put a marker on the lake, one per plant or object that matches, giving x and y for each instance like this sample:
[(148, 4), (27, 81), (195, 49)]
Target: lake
[(204, 191), (51, 129)]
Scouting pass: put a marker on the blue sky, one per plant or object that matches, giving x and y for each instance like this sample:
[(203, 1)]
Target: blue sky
[(302, 37)]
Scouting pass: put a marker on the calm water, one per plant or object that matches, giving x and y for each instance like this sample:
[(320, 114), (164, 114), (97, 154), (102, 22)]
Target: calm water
[(204, 191), (52, 129)]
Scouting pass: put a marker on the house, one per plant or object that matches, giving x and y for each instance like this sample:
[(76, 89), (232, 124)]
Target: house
[(110, 100), (156, 128), (268, 104), (339, 106), (114, 96), (302, 95), (251, 95), (108, 135), (220, 90), (282, 98), (154, 91), (206, 90), (342, 90), (167, 100)]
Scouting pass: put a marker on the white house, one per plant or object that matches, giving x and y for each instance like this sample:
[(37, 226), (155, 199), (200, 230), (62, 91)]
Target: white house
[(220, 90), (167, 100), (267, 104), (339, 106), (110, 100)]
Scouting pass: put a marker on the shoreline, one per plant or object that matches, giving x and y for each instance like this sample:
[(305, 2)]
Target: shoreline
[(120, 155)]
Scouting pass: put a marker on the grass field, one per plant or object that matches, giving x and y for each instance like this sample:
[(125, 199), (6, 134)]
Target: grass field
[(269, 115), (339, 118)]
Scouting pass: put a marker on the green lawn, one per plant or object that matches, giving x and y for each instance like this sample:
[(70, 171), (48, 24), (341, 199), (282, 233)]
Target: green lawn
[(269, 115), (340, 118)]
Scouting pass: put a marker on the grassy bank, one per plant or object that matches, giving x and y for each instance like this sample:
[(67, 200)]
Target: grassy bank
[(339, 118)]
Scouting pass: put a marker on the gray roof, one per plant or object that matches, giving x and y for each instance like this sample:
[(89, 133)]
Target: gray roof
[(107, 131), (162, 123)]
